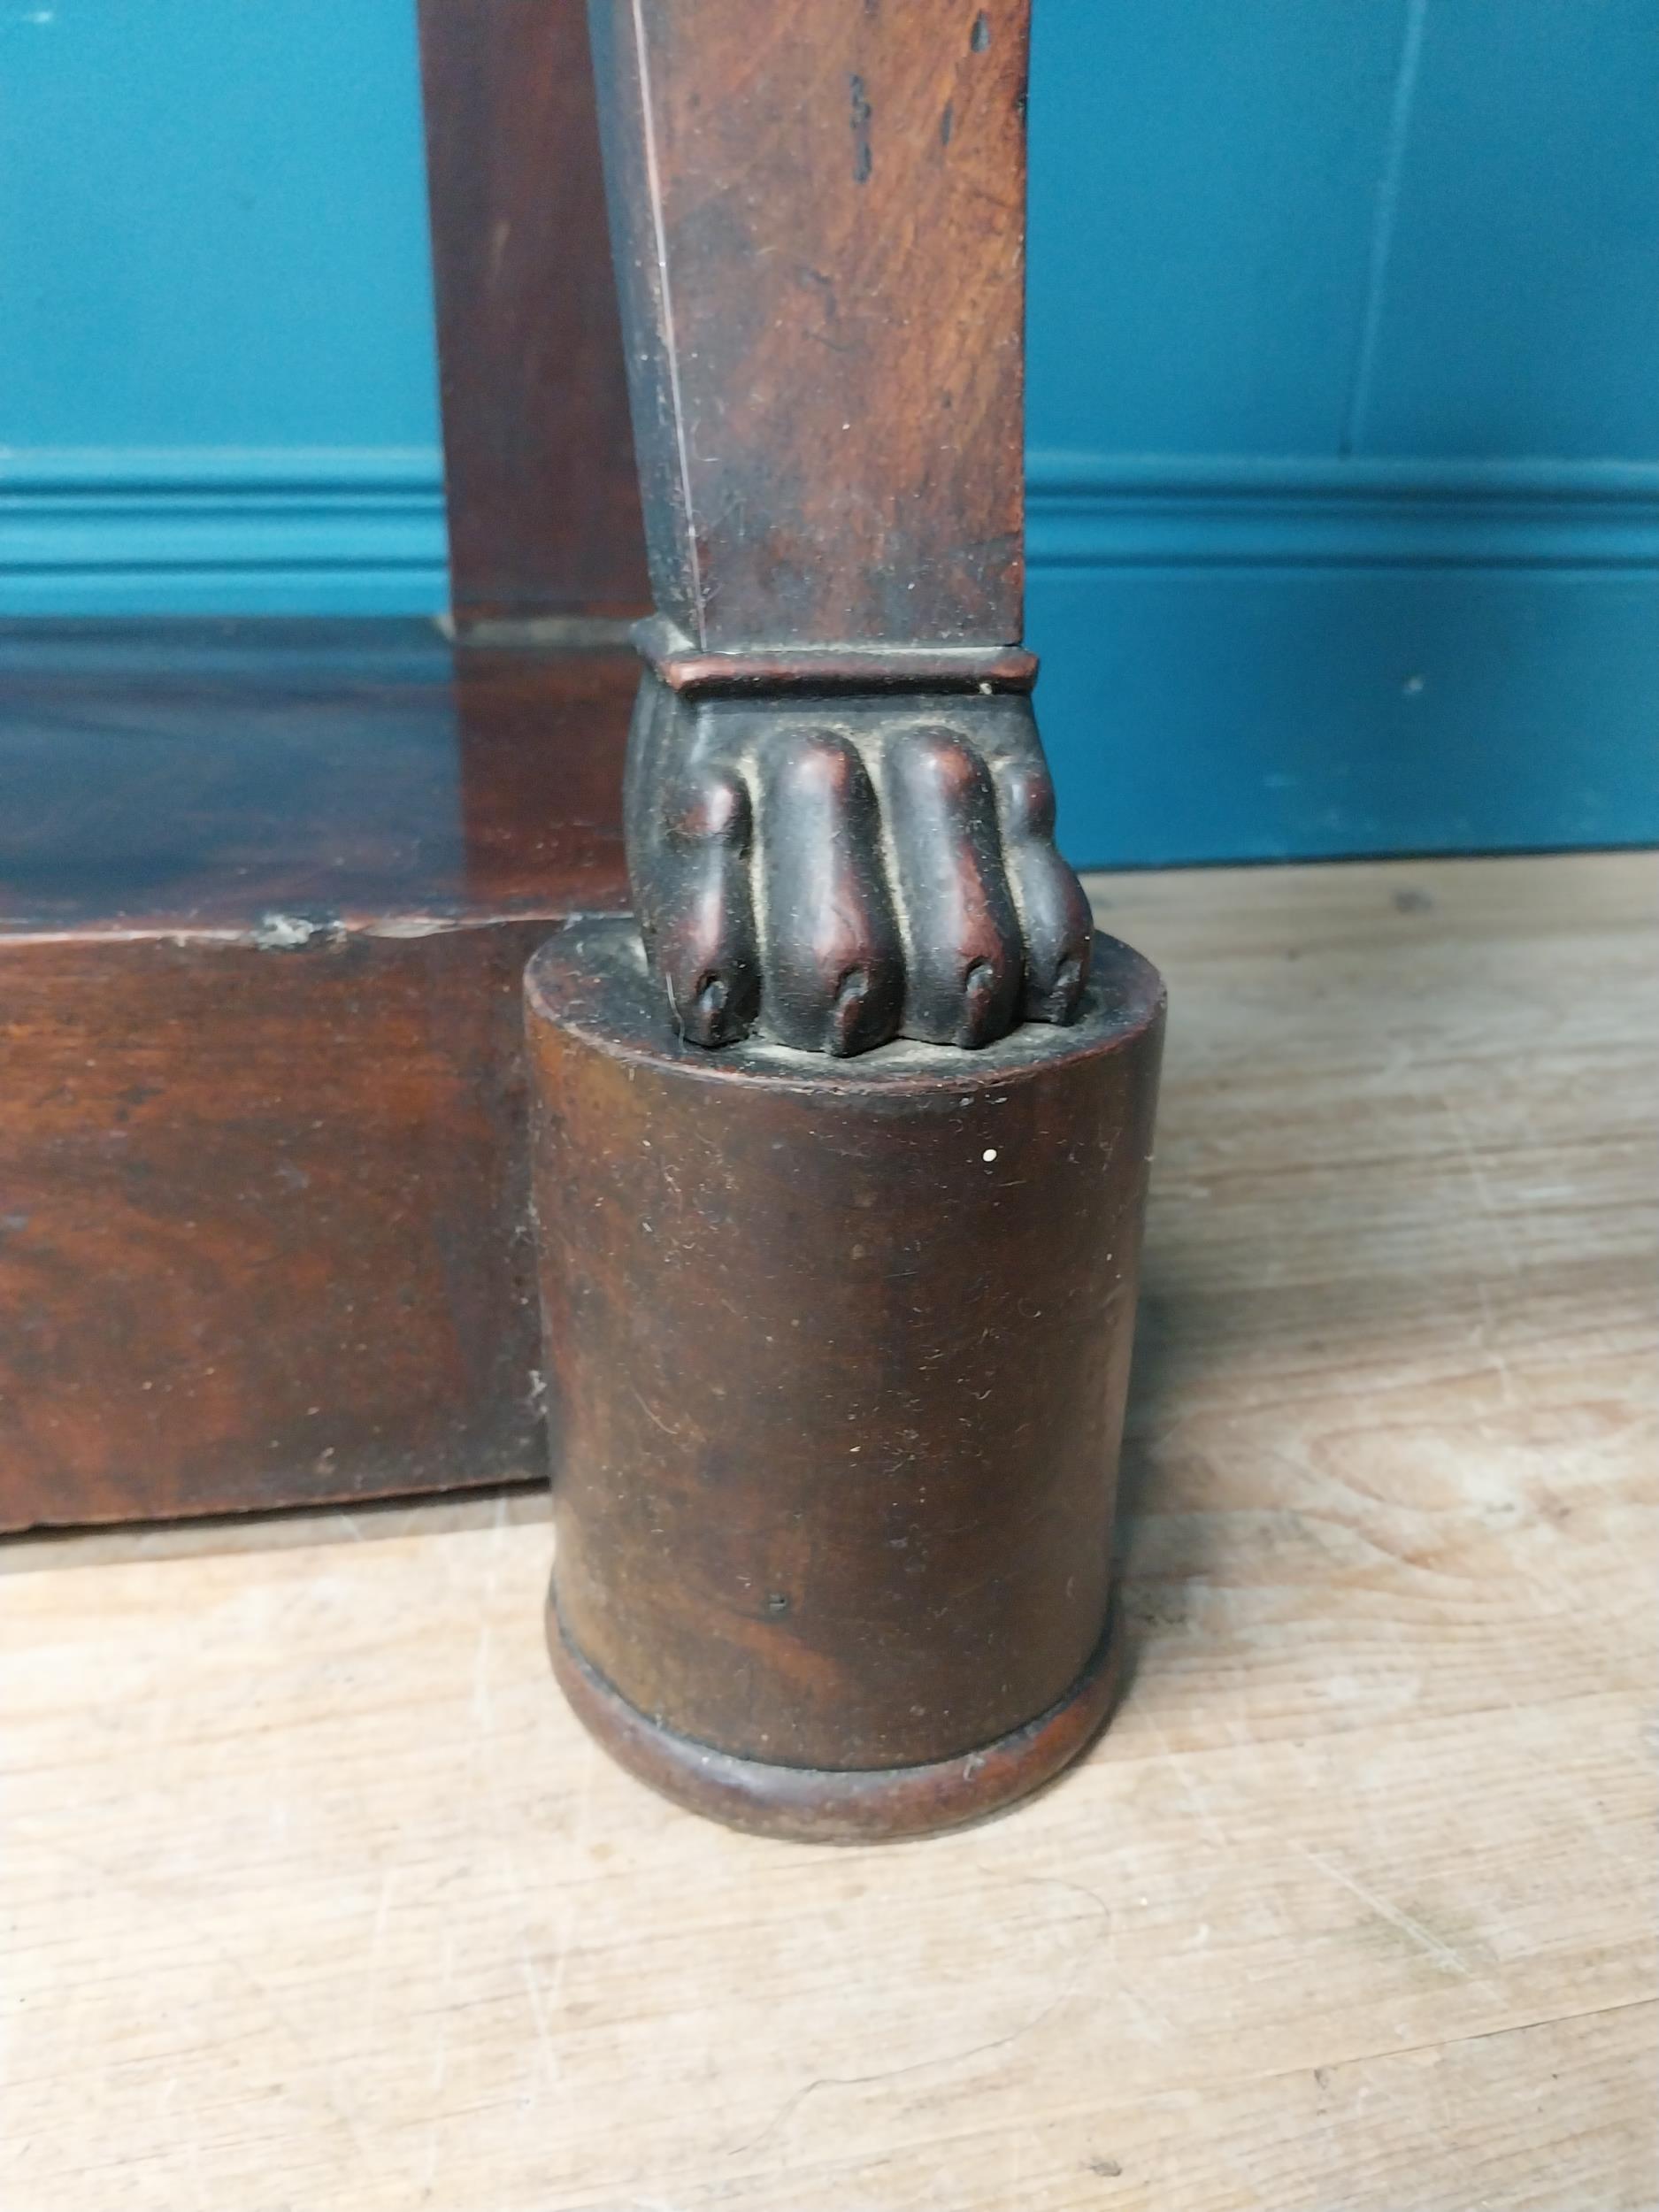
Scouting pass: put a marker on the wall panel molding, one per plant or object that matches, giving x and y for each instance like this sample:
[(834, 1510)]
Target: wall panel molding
[(360, 530), (214, 530), (1113, 511)]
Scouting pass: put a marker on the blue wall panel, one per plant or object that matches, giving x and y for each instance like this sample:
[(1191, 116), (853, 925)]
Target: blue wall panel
[(1266, 713), (1344, 398), (1519, 307), (218, 391), (213, 225), (1202, 189), (1344, 518)]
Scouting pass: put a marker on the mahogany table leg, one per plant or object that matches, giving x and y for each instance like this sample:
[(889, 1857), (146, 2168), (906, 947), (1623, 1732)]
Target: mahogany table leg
[(840, 1157)]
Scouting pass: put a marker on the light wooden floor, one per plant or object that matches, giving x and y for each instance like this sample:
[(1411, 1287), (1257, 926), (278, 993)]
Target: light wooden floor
[(314, 1897)]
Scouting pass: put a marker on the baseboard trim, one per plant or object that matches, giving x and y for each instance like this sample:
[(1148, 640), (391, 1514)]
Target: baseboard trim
[(360, 530), (1089, 511), (283, 530)]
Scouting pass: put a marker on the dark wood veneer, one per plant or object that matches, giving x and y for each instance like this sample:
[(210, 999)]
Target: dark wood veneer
[(544, 515), (819, 221), (266, 892)]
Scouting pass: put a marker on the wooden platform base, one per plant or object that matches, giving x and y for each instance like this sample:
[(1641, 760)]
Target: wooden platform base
[(267, 894)]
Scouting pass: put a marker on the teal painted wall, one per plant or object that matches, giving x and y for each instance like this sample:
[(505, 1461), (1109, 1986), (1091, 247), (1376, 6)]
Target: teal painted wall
[(1344, 417), (1344, 409), (217, 391)]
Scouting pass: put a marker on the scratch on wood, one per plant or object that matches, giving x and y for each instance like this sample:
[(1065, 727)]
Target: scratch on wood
[(1428, 1941), (863, 161)]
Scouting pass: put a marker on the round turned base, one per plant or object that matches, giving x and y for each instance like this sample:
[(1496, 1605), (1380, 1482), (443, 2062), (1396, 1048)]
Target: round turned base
[(823, 1805), (836, 1357)]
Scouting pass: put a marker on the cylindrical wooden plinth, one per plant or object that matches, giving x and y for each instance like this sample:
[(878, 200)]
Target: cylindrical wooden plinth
[(836, 1361)]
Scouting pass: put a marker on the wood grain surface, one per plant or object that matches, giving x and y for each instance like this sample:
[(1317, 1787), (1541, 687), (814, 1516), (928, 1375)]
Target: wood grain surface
[(187, 779), (315, 1895), (264, 1237), (267, 894), (820, 224), (539, 483), (889, 1544)]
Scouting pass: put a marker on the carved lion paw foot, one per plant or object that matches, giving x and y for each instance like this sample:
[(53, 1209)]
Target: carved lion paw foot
[(836, 873)]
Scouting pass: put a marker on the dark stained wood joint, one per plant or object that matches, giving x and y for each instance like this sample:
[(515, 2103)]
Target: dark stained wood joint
[(840, 820), (690, 672)]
